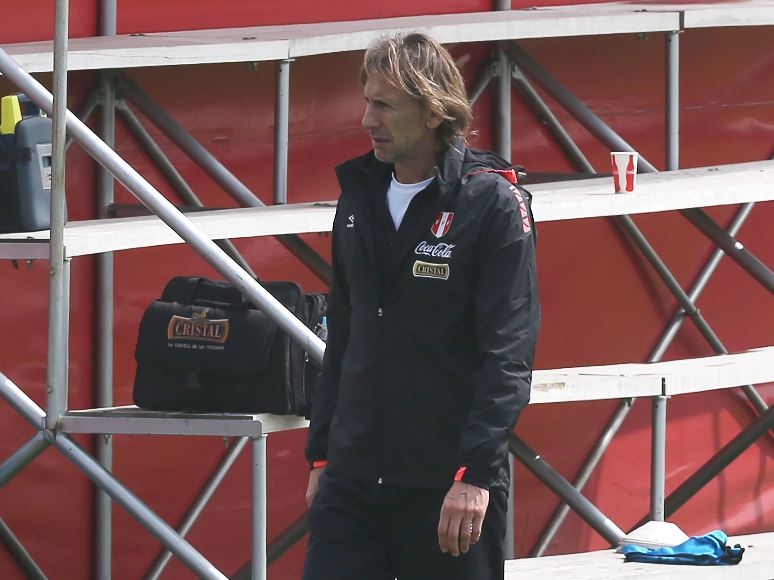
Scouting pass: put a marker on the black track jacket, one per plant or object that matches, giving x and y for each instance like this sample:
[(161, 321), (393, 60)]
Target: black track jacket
[(428, 366)]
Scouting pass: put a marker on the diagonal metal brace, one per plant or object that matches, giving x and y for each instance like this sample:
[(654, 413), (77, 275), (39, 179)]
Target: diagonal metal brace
[(173, 175), (19, 553), (22, 458), (108, 483), (590, 513), (286, 540), (216, 170), (735, 250)]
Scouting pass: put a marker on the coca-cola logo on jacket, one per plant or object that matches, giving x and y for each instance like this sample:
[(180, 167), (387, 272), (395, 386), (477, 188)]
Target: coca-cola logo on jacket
[(439, 250)]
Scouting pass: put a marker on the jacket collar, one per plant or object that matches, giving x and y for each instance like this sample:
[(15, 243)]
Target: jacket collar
[(448, 169), (368, 170), (365, 170)]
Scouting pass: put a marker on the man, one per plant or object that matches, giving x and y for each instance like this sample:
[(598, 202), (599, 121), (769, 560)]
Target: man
[(432, 318)]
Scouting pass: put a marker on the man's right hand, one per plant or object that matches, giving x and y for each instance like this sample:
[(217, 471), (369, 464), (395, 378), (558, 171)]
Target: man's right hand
[(314, 484)]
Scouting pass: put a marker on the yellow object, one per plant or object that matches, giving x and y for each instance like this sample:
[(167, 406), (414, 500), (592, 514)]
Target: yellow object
[(10, 114)]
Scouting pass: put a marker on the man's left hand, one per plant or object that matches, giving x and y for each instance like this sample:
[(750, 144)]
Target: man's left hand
[(462, 516)]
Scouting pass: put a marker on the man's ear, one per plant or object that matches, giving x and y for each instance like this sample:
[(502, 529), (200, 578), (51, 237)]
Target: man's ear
[(433, 120)]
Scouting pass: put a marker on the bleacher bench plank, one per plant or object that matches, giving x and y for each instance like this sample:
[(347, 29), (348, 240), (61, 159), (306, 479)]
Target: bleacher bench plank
[(669, 190), (548, 386), (757, 564), (695, 375), (130, 420), (262, 43), (669, 378)]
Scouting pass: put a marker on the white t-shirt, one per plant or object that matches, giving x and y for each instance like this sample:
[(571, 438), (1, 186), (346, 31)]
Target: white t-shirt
[(399, 196)]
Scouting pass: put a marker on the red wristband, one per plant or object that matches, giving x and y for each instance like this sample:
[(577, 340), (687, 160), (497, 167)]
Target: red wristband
[(460, 472), (316, 464)]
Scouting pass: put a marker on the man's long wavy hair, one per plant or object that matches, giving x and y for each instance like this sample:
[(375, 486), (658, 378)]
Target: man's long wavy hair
[(419, 65)]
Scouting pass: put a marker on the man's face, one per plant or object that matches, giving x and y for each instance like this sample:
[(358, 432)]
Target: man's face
[(402, 131)]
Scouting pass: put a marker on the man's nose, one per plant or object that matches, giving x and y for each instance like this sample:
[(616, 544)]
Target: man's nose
[(370, 120)]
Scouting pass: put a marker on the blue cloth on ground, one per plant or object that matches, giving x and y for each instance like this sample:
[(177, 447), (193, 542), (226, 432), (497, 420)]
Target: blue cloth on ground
[(707, 550)]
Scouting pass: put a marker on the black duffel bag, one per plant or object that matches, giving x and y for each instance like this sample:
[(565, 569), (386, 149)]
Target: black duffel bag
[(203, 348)]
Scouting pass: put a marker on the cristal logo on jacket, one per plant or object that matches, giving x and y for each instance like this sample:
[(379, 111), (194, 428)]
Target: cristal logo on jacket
[(442, 224), (198, 327), (439, 250), (428, 270)]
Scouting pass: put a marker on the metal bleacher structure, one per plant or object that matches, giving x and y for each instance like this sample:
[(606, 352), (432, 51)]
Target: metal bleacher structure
[(674, 190)]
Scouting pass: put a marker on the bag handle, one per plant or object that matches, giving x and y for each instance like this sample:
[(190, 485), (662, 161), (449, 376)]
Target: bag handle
[(215, 292), (222, 305), (201, 291)]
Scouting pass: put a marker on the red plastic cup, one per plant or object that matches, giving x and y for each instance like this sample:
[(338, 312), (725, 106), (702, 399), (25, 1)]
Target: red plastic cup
[(624, 170)]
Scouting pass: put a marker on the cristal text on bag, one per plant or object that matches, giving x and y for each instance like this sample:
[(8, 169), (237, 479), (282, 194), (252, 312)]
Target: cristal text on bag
[(198, 327)]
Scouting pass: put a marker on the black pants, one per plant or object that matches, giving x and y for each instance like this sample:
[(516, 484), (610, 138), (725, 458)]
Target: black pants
[(369, 531)]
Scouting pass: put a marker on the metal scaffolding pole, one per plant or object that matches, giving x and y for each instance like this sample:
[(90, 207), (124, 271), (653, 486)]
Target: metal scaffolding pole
[(509, 550), (735, 250), (658, 459), (108, 17), (93, 99), (22, 404), (19, 553), (180, 137), (503, 144), (149, 196), (717, 463), (485, 75), (173, 175), (281, 125), (545, 114), (286, 540), (56, 370), (22, 457), (104, 313), (217, 171), (590, 513), (732, 247), (673, 101), (571, 103), (502, 105), (65, 338), (154, 151), (199, 504), (259, 508)]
